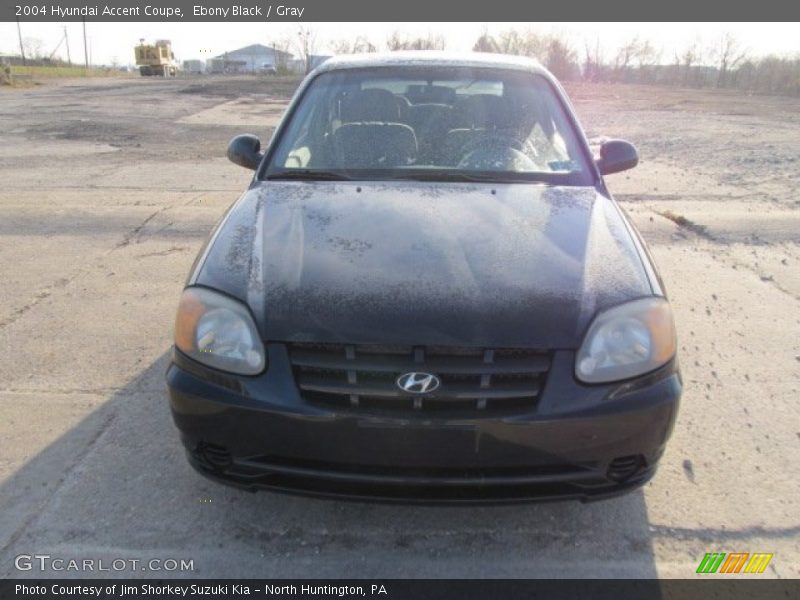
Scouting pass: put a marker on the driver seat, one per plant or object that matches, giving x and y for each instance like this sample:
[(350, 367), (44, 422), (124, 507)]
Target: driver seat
[(478, 115)]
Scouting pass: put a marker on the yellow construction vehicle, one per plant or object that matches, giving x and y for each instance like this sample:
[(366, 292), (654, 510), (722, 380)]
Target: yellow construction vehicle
[(155, 59)]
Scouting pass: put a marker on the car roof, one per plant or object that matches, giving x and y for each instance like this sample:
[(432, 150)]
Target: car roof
[(432, 58)]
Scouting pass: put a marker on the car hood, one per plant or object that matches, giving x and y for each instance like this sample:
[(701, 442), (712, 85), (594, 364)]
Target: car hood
[(511, 265)]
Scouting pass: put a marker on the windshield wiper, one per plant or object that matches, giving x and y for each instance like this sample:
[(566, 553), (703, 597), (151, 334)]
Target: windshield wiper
[(478, 177), (434, 175), (309, 175)]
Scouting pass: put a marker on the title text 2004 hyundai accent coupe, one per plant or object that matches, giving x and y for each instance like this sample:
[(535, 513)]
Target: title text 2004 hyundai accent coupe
[(427, 293)]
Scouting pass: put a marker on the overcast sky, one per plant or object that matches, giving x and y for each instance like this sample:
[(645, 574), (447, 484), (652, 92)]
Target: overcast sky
[(115, 41)]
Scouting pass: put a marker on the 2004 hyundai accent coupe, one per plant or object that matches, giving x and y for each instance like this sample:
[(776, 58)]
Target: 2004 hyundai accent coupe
[(427, 293)]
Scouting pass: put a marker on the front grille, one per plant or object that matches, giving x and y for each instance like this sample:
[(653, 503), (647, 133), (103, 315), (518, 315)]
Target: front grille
[(364, 377)]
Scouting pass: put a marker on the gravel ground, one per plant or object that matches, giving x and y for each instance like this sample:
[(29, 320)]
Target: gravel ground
[(107, 190)]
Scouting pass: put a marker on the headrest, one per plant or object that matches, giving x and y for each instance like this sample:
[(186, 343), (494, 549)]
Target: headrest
[(426, 112), (370, 105), (483, 111)]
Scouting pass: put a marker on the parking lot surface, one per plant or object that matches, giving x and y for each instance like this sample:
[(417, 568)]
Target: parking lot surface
[(109, 187)]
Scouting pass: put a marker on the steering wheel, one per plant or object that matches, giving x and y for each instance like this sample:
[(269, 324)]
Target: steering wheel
[(496, 151), (494, 139), (497, 159)]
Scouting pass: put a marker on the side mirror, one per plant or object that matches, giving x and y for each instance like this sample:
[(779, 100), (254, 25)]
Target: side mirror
[(245, 151), (616, 156)]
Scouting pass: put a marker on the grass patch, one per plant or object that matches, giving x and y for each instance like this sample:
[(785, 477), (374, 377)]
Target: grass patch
[(33, 71)]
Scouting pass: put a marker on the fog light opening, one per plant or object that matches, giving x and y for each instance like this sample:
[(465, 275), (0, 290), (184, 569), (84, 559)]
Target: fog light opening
[(623, 468), (217, 457)]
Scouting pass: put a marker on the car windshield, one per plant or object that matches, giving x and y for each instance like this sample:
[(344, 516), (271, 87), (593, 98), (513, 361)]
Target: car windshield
[(476, 124)]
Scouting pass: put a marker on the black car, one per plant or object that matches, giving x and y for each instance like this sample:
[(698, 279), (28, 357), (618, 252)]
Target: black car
[(427, 293)]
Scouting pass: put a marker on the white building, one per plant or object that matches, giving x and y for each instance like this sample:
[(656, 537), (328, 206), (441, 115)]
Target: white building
[(255, 58)]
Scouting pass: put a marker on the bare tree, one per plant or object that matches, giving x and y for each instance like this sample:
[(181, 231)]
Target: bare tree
[(360, 45), (553, 50), (729, 54), (690, 57), (34, 48), (525, 43), (647, 55), (512, 42), (725, 63), (431, 42), (561, 59), (306, 44), (341, 47), (283, 47), (594, 68), (624, 58), (393, 42), (591, 67), (485, 43)]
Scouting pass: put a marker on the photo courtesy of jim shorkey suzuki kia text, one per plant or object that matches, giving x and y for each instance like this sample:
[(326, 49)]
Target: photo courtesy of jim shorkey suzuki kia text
[(57, 11), (161, 590)]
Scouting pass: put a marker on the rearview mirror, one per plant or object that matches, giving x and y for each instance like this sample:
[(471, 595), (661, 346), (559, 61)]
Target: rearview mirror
[(616, 156), (245, 151)]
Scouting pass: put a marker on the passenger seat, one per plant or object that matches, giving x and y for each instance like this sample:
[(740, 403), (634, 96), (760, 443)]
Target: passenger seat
[(374, 145)]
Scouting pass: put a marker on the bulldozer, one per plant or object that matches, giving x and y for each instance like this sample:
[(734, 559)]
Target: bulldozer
[(155, 59)]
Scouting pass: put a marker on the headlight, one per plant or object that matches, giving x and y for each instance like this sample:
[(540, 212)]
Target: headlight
[(626, 341), (219, 332)]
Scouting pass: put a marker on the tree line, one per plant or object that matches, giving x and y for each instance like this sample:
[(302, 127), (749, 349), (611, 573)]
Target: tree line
[(724, 64)]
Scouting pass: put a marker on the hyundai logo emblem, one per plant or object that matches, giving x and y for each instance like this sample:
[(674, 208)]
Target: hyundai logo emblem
[(418, 383)]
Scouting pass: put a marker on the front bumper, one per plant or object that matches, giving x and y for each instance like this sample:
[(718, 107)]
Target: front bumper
[(581, 442)]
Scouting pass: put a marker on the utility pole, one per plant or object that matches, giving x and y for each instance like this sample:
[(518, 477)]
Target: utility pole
[(21, 47), (85, 50), (66, 39)]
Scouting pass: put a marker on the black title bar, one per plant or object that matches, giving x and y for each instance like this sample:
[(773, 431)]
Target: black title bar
[(395, 10), (729, 588)]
